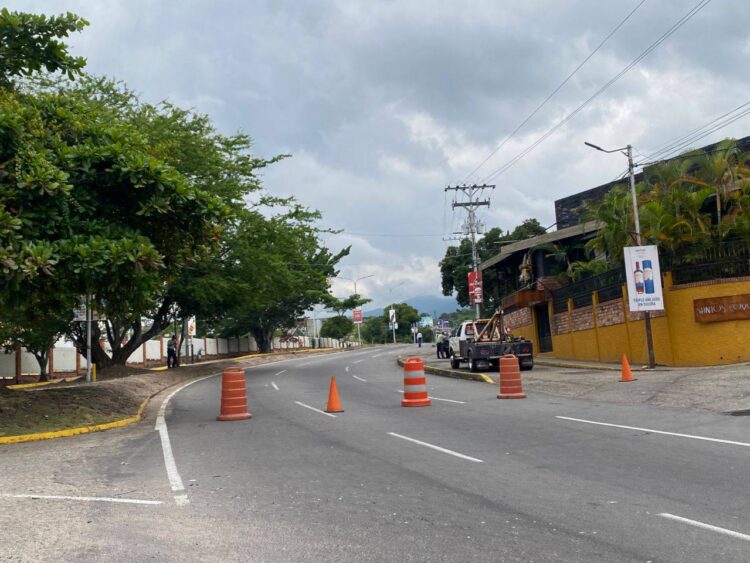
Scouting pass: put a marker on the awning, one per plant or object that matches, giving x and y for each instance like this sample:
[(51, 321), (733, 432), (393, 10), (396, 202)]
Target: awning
[(546, 238)]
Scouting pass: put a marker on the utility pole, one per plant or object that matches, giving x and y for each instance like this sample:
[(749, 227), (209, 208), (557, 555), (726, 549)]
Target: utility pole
[(471, 225), (628, 152)]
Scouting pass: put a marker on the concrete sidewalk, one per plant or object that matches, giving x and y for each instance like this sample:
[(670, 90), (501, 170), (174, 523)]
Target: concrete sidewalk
[(719, 389)]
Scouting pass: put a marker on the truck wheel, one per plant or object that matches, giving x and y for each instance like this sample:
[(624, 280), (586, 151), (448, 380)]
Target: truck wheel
[(455, 363), (527, 364), (473, 365)]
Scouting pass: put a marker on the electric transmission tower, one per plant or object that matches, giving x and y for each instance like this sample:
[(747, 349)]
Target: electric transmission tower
[(472, 226)]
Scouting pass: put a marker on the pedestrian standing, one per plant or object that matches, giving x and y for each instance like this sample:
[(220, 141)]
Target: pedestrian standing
[(172, 352), (419, 339), (440, 345)]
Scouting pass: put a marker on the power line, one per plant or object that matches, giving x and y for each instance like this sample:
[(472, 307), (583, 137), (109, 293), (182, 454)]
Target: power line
[(698, 134), (679, 23), (555, 91)]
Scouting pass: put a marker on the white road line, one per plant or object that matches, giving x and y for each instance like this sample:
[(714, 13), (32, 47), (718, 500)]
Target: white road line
[(273, 384), (346, 369), (697, 524), (434, 447), (314, 409), (439, 399), (175, 481), (86, 499), (358, 362), (357, 377), (651, 430), (279, 373)]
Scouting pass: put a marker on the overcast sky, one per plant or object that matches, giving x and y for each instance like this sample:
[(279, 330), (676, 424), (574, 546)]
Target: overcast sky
[(384, 103)]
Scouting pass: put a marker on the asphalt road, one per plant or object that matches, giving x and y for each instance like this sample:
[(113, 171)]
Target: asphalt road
[(470, 478)]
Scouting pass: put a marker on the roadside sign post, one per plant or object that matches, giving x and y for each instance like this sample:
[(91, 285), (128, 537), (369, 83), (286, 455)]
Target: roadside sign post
[(88, 339), (392, 320), (357, 318)]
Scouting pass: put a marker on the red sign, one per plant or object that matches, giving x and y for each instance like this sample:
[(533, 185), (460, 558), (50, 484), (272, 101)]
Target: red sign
[(357, 316), (475, 287)]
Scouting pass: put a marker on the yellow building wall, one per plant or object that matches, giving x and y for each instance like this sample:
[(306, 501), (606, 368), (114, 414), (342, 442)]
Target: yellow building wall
[(613, 342), (705, 344), (678, 339)]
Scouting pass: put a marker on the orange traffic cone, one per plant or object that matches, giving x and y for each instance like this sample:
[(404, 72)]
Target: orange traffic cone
[(233, 395), (334, 405), (627, 375), (510, 378)]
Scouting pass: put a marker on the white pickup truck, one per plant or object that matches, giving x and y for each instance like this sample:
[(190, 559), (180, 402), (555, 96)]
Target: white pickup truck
[(462, 347)]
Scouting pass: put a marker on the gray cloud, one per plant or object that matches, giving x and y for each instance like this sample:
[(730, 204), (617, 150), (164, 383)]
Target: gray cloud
[(384, 103)]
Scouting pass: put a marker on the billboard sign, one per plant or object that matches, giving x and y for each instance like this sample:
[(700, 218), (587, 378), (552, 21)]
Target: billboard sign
[(643, 278), (475, 287), (191, 326), (357, 316)]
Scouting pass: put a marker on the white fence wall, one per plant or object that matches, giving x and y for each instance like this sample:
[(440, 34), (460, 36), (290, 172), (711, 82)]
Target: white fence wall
[(233, 345), (7, 365), (65, 360), (137, 356), (222, 346), (211, 346), (153, 350)]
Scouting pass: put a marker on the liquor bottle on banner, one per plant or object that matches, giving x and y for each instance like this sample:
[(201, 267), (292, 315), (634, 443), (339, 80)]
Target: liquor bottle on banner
[(638, 277), (648, 276)]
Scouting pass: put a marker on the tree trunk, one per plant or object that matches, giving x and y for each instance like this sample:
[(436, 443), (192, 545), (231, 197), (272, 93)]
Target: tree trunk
[(263, 338), (41, 358)]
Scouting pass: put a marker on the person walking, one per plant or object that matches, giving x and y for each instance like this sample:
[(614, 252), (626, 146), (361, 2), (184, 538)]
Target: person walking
[(419, 339), (172, 352)]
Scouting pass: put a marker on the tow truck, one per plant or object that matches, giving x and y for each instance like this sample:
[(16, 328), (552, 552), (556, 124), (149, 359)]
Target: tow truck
[(485, 341)]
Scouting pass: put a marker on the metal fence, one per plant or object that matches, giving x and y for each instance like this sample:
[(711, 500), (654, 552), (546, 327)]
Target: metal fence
[(729, 259), (608, 284)]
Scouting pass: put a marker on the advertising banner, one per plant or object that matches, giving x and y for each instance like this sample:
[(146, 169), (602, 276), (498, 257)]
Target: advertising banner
[(357, 316), (643, 278), (191, 326), (475, 287)]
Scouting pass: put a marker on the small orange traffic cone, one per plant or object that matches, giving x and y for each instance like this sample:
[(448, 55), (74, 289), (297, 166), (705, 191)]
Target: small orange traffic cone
[(334, 405), (627, 375)]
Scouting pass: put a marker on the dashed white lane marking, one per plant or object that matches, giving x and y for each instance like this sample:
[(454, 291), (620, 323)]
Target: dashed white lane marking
[(697, 524), (314, 409), (439, 399), (85, 499), (273, 384), (652, 431), (358, 361), (280, 372), (434, 447), (357, 377), (346, 369)]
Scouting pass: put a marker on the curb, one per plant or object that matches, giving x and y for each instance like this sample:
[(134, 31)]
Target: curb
[(552, 363), (481, 377), (79, 430), (37, 384)]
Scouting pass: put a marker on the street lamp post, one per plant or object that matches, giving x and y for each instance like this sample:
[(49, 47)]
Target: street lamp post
[(628, 152), (359, 334)]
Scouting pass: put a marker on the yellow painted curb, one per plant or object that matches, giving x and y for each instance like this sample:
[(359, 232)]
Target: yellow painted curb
[(481, 377), (552, 363), (75, 431), (30, 385)]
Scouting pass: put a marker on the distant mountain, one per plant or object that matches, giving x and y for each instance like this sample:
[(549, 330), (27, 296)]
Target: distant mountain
[(430, 304)]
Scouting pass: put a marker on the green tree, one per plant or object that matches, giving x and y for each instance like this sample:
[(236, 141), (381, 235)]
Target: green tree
[(375, 330), (406, 315), (278, 269), (337, 327), (31, 42)]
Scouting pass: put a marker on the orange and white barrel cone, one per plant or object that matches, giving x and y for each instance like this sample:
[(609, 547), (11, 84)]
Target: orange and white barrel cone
[(233, 395), (510, 378), (627, 374), (334, 405), (415, 384)]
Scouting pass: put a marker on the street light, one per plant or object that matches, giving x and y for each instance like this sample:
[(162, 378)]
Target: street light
[(628, 152), (359, 334)]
